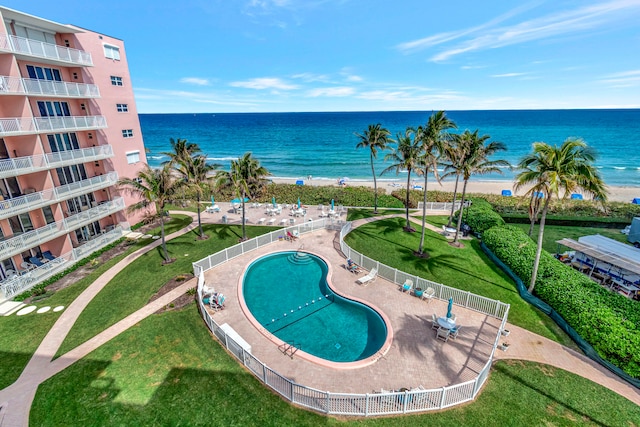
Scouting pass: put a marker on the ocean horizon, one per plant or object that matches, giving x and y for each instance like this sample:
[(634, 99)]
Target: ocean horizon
[(322, 144)]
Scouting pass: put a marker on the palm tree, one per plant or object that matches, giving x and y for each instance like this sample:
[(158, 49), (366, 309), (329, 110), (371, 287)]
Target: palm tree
[(433, 139), (195, 172), (153, 187), (558, 171), (454, 155), (181, 150), (406, 157), (475, 160), (375, 138), (246, 177)]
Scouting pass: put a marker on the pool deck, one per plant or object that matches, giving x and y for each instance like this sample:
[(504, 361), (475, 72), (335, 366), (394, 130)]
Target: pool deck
[(415, 357)]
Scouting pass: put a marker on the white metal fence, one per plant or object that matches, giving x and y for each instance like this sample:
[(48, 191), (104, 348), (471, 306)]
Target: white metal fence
[(368, 404)]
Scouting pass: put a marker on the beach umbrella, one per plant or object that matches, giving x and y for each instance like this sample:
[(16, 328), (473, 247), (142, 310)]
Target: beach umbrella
[(332, 203), (449, 307), (298, 202), (213, 201), (273, 201), (246, 199)]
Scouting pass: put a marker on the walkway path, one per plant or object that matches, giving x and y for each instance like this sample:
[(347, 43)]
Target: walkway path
[(16, 400)]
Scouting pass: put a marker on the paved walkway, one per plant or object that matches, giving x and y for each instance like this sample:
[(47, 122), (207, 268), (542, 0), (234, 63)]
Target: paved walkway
[(16, 400)]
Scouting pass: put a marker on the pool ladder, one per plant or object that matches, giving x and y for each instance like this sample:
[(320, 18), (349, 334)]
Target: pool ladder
[(289, 348)]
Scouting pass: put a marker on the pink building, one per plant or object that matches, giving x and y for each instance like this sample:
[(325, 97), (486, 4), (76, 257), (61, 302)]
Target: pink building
[(69, 130)]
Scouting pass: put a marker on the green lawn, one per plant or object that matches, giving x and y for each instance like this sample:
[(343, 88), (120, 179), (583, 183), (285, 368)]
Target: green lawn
[(168, 370), (553, 233), (133, 287), (465, 268)]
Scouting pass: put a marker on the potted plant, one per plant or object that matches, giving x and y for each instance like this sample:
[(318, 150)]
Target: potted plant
[(506, 332), (504, 346), (418, 292)]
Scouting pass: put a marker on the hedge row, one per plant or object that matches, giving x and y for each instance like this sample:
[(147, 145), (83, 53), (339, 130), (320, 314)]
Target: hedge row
[(606, 320), (480, 216)]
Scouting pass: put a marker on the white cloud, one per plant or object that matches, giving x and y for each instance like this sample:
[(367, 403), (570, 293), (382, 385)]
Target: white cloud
[(264, 83), (623, 79), (195, 81), (331, 91), (311, 77), (489, 35), (509, 75), (354, 78)]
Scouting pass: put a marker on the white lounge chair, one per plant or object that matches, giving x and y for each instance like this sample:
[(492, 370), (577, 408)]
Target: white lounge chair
[(271, 221), (369, 277), (407, 286), (283, 221), (261, 221), (428, 294)]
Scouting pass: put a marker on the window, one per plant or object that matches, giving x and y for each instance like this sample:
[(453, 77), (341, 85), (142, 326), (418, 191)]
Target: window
[(127, 133), (122, 108), (112, 52), (116, 81), (133, 157), (43, 73), (53, 109)]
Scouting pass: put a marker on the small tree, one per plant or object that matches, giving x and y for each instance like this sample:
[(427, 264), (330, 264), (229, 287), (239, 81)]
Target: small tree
[(153, 187), (195, 172)]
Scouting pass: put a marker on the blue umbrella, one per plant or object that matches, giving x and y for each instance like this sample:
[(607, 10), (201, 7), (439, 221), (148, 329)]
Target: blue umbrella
[(273, 201), (213, 201), (449, 307), (298, 202), (332, 203), (246, 199)]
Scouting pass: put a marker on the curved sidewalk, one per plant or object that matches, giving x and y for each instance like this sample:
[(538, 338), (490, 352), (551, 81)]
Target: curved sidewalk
[(16, 399)]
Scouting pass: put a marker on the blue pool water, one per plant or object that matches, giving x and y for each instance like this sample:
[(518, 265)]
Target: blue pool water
[(288, 293)]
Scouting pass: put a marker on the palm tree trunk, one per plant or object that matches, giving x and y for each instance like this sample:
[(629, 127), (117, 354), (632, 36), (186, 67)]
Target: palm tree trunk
[(407, 227), (244, 231), (536, 262), (464, 192), (375, 187), (199, 219), (424, 212), (164, 243), (453, 205), (533, 213)]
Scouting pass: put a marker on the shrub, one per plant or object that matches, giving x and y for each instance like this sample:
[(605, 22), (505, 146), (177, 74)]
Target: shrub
[(606, 320)]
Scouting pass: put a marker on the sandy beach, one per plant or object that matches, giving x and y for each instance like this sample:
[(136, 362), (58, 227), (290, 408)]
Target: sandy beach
[(616, 193)]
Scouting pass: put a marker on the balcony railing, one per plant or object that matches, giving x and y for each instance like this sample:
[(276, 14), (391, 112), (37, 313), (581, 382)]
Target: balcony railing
[(30, 125), (18, 86), (29, 202), (46, 51), (18, 244), (29, 164), (18, 284)]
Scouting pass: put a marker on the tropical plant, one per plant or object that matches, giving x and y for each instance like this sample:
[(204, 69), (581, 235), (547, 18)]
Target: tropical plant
[(153, 188), (181, 150), (406, 157), (433, 139), (558, 171), (374, 138), (246, 178), (475, 160), (195, 172), (454, 155)]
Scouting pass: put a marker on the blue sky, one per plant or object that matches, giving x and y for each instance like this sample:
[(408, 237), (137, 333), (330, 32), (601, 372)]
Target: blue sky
[(357, 55)]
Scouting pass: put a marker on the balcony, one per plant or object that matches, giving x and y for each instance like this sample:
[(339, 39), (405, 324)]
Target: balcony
[(18, 284), (45, 52), (29, 202), (20, 243), (30, 125), (34, 87), (30, 164)]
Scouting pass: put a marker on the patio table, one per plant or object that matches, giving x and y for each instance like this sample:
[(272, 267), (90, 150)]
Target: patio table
[(446, 323)]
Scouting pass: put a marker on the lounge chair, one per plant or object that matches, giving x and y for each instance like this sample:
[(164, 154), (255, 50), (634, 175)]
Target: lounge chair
[(428, 294), (443, 334), (291, 236), (261, 220), (407, 286), (271, 221), (283, 221), (369, 277), (352, 266), (35, 261)]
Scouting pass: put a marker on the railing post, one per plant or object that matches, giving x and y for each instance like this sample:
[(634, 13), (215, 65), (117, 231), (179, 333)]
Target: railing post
[(444, 392)]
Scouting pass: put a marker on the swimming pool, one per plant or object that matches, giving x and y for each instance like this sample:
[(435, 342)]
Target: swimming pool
[(288, 294)]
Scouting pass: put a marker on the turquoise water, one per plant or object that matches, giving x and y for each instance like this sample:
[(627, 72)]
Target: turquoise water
[(288, 294), (295, 145)]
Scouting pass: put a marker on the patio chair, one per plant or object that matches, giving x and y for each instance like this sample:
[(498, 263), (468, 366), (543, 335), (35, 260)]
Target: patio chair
[(407, 286), (27, 266), (455, 331), (443, 334), (452, 317), (428, 294), (365, 280), (36, 261), (434, 321), (216, 302)]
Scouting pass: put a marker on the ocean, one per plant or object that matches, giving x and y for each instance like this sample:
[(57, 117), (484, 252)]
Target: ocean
[(322, 145)]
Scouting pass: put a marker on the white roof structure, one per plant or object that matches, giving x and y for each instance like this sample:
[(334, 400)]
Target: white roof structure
[(607, 250)]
